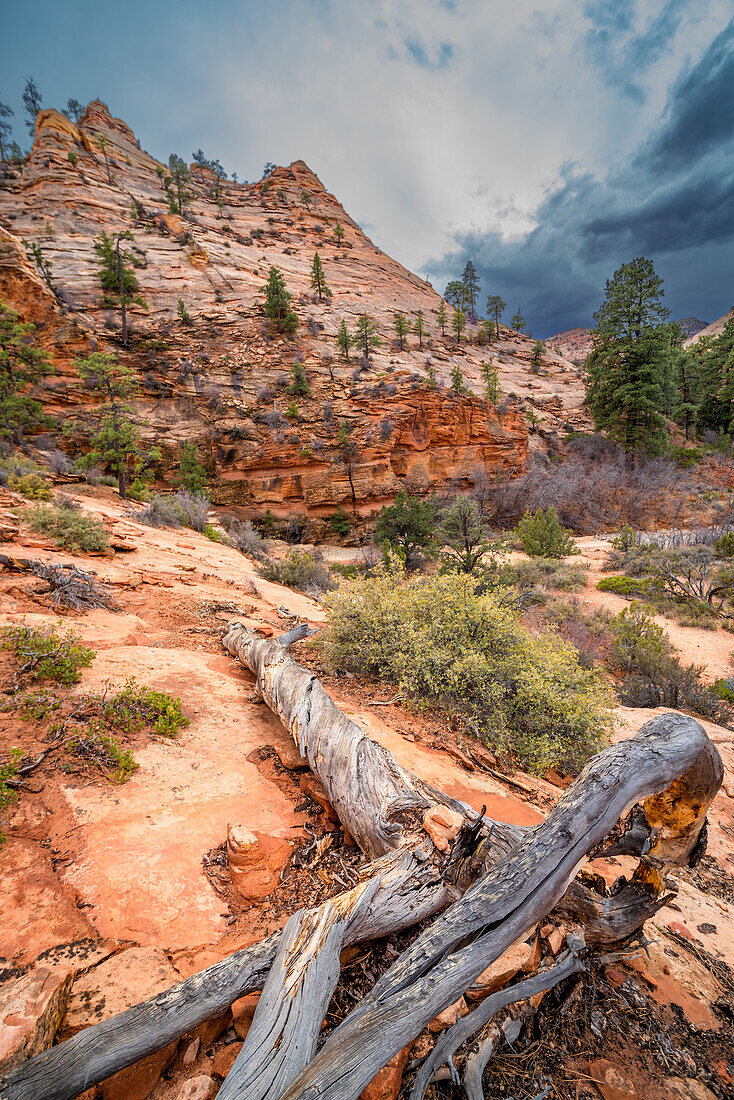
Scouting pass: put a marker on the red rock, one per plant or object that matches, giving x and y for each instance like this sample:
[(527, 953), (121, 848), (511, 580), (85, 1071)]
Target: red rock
[(116, 984), (255, 861), (498, 973), (677, 926), (686, 1088), (289, 756), (136, 1082), (224, 1059), (313, 787), (242, 1011), (31, 1008), (386, 1085), (449, 1016), (611, 1081), (192, 1052)]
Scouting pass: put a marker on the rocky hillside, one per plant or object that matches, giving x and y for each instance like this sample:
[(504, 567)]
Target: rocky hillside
[(575, 343), (692, 325), (222, 380), (713, 329)]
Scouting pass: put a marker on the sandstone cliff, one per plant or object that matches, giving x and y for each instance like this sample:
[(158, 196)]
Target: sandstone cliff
[(222, 381)]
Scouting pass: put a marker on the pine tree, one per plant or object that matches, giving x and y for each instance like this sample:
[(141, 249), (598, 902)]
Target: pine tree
[(5, 128), (492, 390), (116, 443), (201, 162), (457, 379), (365, 335), (318, 279), (455, 294), (339, 232), (192, 474), (518, 322), (496, 305), (629, 369), (343, 339), (74, 110), (43, 265), (419, 327), (180, 180), (470, 282), (687, 391), (22, 365), (402, 328), (458, 323), (299, 387), (537, 355), (306, 198), (117, 274), (442, 318), (32, 100), (278, 303)]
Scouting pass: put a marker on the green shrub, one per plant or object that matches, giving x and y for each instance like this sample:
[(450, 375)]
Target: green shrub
[(626, 539), (339, 523), (628, 586), (725, 690), (447, 645), (180, 509), (68, 528), (47, 655), (686, 457), (724, 546), (20, 475), (136, 706), (105, 752), (542, 535), (298, 569)]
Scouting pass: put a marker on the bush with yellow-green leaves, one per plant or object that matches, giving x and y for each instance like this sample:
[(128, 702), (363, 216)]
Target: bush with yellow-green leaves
[(447, 645)]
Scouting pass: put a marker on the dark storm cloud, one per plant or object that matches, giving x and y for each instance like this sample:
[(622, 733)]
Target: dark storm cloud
[(621, 52), (672, 200)]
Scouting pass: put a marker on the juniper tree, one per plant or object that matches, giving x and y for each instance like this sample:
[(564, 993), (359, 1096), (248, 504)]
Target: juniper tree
[(299, 387), (74, 110), (407, 525), (458, 323), (365, 335), (117, 274), (518, 322), (6, 128), (463, 537), (492, 390), (629, 368), (496, 305), (183, 314), (278, 303), (347, 454), (419, 327), (402, 328), (22, 365), (102, 144), (180, 180), (116, 442), (339, 232), (42, 264), (318, 278), (32, 100), (442, 317), (470, 283), (343, 339)]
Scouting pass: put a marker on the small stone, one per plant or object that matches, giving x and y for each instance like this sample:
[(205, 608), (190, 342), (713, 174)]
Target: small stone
[(686, 1088), (555, 940), (192, 1052), (242, 1011), (313, 787), (386, 1085), (449, 1016), (612, 1083), (442, 825), (290, 757), (224, 1059), (200, 1087)]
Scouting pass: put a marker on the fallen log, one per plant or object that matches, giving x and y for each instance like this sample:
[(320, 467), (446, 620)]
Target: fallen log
[(518, 875)]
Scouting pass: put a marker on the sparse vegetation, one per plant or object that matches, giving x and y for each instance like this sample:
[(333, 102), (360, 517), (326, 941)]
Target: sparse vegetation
[(70, 529), (278, 304), (22, 366), (298, 569), (183, 508), (44, 654), (192, 475), (20, 475)]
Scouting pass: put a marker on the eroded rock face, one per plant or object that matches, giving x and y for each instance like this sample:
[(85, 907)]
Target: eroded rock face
[(31, 1009), (223, 381), (255, 861)]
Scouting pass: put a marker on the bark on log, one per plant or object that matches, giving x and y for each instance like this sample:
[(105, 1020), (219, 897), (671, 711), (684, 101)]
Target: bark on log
[(373, 795)]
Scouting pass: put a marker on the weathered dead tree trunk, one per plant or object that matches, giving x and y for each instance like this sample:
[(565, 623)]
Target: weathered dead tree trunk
[(518, 876)]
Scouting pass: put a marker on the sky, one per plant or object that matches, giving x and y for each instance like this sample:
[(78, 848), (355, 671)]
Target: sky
[(548, 142)]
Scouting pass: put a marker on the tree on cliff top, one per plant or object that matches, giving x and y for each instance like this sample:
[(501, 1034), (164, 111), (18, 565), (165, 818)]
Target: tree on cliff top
[(496, 305), (22, 365), (518, 321), (318, 278), (32, 101), (116, 443), (278, 304), (180, 180), (5, 128), (442, 317), (470, 283), (117, 274), (73, 110)]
